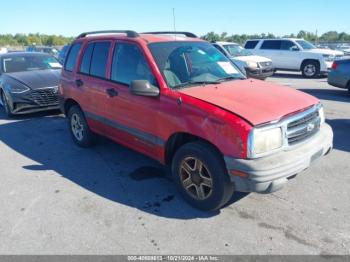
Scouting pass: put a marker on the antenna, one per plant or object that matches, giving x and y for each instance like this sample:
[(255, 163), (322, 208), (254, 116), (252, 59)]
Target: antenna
[(174, 19)]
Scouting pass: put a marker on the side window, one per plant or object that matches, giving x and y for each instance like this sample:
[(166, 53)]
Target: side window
[(251, 44), (99, 59), (86, 62), (72, 57), (271, 44), (130, 64), (288, 45)]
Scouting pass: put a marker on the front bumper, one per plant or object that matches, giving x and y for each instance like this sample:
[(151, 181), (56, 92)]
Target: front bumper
[(269, 174), (260, 73), (32, 101)]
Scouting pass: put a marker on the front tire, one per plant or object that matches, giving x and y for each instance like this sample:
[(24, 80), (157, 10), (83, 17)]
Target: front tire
[(6, 105), (310, 69), (201, 176), (79, 128)]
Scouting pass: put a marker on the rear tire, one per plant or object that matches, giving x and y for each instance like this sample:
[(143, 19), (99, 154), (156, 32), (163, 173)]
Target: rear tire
[(310, 69), (5, 104), (201, 176), (79, 128)]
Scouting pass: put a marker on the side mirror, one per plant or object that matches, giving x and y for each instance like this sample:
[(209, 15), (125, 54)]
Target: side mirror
[(295, 48), (143, 88)]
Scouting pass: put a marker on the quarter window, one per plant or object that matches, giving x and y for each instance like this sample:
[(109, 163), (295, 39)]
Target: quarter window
[(72, 57), (130, 64)]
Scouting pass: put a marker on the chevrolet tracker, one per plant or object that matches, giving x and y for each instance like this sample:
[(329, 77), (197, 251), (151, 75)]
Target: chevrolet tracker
[(177, 99)]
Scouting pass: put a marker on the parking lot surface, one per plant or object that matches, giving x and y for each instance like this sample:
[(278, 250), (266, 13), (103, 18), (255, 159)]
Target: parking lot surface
[(56, 198)]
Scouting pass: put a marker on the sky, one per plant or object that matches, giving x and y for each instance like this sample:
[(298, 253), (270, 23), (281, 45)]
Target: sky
[(71, 17)]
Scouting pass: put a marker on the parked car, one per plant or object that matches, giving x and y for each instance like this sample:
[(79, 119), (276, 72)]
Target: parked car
[(295, 55), (255, 66), (62, 54), (28, 82), (180, 101), (43, 49), (340, 74)]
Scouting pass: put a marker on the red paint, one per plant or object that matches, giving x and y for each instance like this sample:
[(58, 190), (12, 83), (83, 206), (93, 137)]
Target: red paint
[(223, 114)]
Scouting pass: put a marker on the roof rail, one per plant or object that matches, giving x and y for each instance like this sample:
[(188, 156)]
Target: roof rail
[(188, 34), (129, 33)]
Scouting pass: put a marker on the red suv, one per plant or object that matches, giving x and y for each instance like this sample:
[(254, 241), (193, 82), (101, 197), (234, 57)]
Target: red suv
[(177, 99)]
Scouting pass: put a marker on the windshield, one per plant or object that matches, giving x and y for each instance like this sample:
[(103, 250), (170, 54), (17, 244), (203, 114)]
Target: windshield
[(305, 44), (187, 63), (20, 63), (237, 50)]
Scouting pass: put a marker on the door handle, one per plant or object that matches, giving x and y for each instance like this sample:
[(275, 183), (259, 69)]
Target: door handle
[(79, 82), (112, 92)]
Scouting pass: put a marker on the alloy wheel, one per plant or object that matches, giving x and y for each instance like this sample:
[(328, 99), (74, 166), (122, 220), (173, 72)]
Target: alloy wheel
[(310, 70), (77, 127), (196, 178)]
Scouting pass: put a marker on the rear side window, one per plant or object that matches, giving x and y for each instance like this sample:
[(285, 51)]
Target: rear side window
[(271, 44), (86, 62), (72, 57), (99, 59), (251, 44), (130, 64)]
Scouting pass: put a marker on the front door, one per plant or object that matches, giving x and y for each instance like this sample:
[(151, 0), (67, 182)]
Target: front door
[(133, 120)]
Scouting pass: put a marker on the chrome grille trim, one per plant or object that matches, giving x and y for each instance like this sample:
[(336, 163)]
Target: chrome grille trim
[(45, 96), (292, 128)]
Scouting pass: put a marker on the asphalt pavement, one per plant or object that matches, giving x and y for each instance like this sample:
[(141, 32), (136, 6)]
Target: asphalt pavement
[(56, 198)]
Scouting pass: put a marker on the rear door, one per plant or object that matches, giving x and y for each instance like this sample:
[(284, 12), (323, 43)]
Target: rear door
[(92, 78), (272, 49)]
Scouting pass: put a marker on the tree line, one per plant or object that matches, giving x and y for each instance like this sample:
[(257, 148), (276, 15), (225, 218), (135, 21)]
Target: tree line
[(33, 39), (59, 40), (328, 37)]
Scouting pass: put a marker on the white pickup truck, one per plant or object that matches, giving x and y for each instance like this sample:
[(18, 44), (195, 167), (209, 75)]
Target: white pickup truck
[(296, 55)]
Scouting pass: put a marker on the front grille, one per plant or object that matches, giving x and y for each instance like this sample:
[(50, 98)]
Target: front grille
[(303, 128), (45, 96), (265, 64)]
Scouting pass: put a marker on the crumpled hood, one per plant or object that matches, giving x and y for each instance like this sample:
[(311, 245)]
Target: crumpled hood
[(256, 101), (37, 79)]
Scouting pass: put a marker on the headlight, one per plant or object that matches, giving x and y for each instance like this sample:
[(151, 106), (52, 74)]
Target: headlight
[(264, 140), (18, 89), (329, 58), (253, 65), (322, 115)]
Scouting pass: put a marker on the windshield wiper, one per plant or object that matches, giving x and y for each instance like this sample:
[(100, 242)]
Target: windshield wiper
[(228, 78), (191, 83)]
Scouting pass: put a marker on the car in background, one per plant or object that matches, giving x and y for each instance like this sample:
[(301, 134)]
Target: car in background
[(43, 49), (254, 66), (28, 82), (62, 54), (339, 76), (180, 101), (295, 54)]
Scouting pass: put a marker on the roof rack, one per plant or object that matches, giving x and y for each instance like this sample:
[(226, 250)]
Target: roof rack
[(188, 34), (129, 33)]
